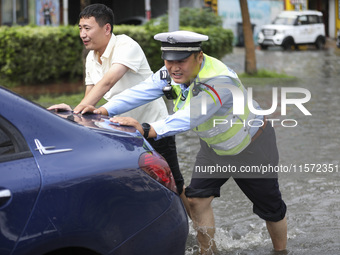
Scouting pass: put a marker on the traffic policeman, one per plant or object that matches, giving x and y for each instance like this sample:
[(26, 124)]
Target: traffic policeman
[(202, 89)]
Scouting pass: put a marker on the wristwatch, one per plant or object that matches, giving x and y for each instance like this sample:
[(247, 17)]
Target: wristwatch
[(146, 129)]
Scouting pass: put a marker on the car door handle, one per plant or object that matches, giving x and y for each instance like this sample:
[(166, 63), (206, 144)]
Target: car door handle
[(5, 195)]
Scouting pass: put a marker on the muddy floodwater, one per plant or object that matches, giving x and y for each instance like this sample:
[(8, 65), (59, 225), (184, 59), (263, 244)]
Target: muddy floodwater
[(309, 150), (309, 159)]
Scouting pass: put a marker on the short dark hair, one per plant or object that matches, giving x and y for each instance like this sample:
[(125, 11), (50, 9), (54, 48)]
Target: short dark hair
[(100, 12)]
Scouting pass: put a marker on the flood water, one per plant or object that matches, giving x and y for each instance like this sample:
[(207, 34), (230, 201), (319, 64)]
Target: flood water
[(312, 198)]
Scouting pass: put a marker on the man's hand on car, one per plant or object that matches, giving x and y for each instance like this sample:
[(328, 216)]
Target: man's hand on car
[(82, 109), (60, 107)]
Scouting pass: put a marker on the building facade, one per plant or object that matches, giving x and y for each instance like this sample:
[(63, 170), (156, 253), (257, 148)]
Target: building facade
[(64, 12)]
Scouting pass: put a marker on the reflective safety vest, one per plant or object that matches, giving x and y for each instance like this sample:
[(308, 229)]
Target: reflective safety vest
[(224, 139)]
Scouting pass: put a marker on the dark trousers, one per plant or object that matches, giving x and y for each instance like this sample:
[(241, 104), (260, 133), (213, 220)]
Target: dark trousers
[(261, 189)]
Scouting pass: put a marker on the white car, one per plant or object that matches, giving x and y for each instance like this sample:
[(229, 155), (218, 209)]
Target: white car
[(292, 28)]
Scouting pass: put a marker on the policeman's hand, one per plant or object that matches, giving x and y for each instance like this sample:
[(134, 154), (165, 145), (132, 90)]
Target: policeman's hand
[(127, 121), (60, 107)]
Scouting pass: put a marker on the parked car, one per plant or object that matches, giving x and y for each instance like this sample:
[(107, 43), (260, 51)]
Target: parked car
[(338, 39), (292, 28), (78, 184)]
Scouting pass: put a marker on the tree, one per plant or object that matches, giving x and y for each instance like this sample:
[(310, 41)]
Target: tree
[(250, 58)]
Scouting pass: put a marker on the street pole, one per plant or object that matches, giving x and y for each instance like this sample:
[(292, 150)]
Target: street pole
[(65, 12), (173, 7), (147, 9), (15, 12)]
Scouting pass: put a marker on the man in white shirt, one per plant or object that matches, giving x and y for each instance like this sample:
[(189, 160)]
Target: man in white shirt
[(114, 64)]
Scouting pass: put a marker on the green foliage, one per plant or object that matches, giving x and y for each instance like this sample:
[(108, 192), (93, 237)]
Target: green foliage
[(218, 45), (48, 100), (72, 100), (31, 54), (265, 77), (190, 17), (263, 73), (199, 18)]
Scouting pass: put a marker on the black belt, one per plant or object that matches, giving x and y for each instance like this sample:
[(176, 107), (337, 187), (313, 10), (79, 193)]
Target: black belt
[(261, 130)]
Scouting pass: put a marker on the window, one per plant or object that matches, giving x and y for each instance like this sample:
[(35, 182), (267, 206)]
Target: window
[(303, 20), (12, 144), (313, 19), (284, 20), (6, 145), (14, 12)]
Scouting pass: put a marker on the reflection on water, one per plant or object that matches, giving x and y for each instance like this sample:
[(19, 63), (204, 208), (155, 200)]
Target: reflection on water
[(312, 198)]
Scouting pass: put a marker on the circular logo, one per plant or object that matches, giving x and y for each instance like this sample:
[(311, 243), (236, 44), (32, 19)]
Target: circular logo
[(171, 40)]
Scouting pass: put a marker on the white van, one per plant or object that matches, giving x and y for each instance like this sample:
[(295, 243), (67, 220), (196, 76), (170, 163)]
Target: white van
[(292, 28)]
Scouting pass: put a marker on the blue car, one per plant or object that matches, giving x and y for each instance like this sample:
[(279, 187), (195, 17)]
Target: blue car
[(78, 184)]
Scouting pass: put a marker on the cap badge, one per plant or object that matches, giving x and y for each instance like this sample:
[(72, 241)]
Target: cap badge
[(171, 40)]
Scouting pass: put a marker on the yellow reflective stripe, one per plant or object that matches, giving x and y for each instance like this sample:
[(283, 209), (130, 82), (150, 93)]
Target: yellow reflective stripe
[(209, 124), (213, 68), (232, 141), (178, 92), (220, 127), (224, 136), (230, 138), (236, 150), (210, 95), (210, 69), (231, 135), (187, 100)]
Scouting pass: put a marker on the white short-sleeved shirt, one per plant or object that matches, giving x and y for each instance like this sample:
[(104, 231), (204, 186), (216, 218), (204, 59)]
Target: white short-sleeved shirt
[(123, 50)]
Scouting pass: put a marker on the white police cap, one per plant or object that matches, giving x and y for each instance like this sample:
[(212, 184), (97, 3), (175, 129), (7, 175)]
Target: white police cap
[(179, 45)]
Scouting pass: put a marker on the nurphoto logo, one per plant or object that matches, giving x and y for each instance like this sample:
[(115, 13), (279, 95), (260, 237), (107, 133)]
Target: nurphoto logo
[(239, 102)]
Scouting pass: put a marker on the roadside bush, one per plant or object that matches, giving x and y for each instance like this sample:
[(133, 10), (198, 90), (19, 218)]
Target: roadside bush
[(39, 54), (31, 54), (190, 17), (218, 45), (201, 21)]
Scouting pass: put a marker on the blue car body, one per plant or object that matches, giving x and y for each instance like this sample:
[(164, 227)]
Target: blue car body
[(79, 189)]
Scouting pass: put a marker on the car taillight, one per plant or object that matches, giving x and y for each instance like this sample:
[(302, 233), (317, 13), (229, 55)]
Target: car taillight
[(156, 166)]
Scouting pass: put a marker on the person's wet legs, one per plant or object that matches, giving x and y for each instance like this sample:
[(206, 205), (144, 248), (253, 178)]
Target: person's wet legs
[(204, 223), (278, 233)]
